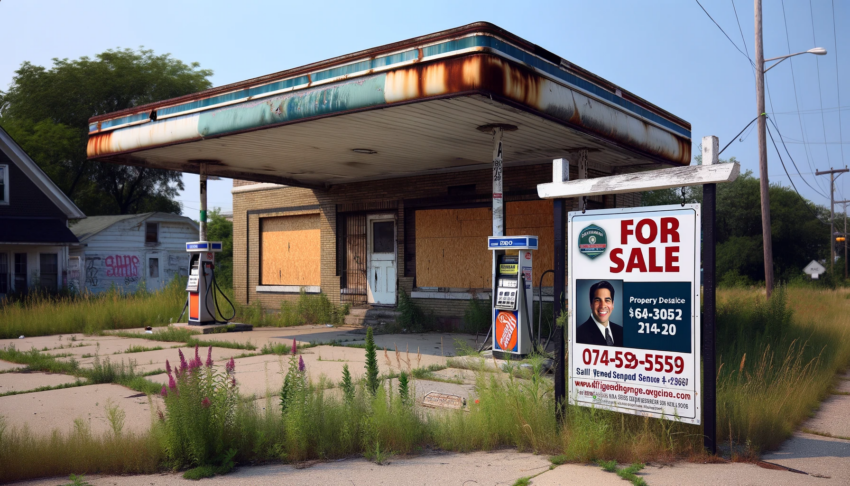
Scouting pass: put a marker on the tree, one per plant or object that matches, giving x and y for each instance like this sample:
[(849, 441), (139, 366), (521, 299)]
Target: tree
[(798, 227), (47, 111), (220, 229)]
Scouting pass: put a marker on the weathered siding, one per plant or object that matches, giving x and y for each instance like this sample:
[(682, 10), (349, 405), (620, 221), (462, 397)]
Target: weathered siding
[(119, 255), (25, 198)]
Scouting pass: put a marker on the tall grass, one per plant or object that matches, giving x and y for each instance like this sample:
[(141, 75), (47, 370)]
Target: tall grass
[(41, 315), (25, 455), (777, 360), (307, 309)]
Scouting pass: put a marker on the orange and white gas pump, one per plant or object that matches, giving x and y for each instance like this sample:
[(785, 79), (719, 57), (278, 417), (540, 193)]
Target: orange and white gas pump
[(201, 282)]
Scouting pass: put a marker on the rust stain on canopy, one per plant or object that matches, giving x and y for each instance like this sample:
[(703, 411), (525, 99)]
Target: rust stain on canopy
[(484, 66)]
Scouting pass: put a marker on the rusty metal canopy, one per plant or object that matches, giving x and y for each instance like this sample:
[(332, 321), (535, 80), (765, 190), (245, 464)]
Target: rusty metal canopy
[(413, 107)]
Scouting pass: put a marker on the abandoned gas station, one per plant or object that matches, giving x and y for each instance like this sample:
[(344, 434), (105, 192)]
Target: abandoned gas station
[(379, 171)]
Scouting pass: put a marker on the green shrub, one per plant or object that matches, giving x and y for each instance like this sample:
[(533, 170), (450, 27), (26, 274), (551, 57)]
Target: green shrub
[(371, 363), (477, 316), (410, 316)]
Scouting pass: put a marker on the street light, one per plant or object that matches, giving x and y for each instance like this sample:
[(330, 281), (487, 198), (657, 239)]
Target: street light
[(764, 184), (818, 51)]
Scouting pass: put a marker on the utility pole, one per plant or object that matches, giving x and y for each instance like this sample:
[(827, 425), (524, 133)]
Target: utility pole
[(832, 178), (844, 234), (764, 182)]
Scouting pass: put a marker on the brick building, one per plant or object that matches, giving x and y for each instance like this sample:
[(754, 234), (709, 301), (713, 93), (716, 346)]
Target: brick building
[(374, 171)]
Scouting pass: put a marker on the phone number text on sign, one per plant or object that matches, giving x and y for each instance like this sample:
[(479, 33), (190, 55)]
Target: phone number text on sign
[(631, 361)]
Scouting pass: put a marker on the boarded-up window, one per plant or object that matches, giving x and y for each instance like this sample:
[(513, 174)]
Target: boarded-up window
[(290, 252), (451, 244)]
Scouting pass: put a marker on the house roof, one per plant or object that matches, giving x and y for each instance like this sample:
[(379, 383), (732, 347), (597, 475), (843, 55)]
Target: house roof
[(422, 106), (93, 225), (44, 231), (38, 177)]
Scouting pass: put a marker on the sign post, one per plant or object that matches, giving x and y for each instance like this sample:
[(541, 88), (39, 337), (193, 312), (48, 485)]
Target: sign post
[(710, 155), (668, 383)]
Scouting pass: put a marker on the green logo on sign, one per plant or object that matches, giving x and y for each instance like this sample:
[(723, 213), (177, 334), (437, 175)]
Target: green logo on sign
[(592, 241)]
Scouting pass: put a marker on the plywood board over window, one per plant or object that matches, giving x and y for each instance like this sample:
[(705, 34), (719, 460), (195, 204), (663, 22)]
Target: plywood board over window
[(451, 244), (290, 251)]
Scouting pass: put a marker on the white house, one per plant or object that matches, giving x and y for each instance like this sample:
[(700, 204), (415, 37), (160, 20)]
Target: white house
[(128, 249)]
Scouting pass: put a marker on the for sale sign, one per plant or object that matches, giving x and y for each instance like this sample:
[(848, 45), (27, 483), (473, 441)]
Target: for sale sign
[(634, 311)]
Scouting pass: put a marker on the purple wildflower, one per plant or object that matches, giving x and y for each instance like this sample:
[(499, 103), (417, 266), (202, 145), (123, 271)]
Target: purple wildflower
[(233, 381), (172, 385), (167, 367), (209, 358), (230, 366), (164, 392), (294, 348), (301, 366), (183, 364), (205, 402)]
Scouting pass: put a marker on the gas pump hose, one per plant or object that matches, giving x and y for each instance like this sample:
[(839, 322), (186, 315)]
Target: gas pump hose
[(213, 285), (540, 312)]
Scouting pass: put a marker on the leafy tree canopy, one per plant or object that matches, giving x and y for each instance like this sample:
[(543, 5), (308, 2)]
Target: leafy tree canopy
[(47, 111), (220, 229), (799, 228)]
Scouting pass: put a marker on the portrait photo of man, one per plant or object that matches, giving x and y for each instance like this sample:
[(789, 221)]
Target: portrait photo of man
[(598, 328)]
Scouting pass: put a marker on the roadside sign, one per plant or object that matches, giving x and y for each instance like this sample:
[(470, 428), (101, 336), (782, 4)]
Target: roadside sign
[(634, 336), (814, 269)]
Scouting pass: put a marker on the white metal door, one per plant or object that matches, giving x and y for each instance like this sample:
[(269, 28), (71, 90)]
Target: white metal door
[(153, 271), (381, 251)]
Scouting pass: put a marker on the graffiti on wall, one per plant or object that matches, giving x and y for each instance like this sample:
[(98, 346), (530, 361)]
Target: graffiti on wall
[(122, 270), (122, 266), (74, 273), (126, 270)]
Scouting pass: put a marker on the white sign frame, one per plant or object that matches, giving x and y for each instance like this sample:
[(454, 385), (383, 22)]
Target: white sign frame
[(578, 220)]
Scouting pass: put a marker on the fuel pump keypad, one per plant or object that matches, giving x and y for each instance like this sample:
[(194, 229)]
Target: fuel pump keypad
[(506, 298)]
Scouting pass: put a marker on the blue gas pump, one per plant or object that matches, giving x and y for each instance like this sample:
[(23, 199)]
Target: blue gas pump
[(512, 295)]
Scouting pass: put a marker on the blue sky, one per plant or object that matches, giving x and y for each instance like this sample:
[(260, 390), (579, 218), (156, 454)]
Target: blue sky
[(667, 52)]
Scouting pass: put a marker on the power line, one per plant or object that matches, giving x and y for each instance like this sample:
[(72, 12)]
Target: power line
[(811, 111), (805, 201), (837, 83), (724, 33), (792, 158), (736, 136), (796, 98), (820, 95)]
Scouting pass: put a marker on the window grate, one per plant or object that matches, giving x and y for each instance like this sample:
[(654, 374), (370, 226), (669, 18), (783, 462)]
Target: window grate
[(355, 259)]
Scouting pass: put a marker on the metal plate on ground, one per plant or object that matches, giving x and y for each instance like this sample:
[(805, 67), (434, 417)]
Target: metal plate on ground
[(442, 400)]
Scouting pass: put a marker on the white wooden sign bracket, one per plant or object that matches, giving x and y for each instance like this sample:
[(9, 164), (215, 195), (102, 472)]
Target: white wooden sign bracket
[(694, 175)]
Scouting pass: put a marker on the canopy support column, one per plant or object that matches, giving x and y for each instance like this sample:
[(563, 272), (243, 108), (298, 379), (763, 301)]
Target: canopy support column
[(498, 196)]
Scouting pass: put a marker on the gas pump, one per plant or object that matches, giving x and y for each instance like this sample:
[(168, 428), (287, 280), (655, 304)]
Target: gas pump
[(201, 279), (512, 295)]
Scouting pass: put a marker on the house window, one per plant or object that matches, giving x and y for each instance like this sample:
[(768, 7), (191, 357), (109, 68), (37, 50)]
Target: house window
[(4, 273), (153, 267), (49, 271), (4, 184), (152, 233), (20, 273)]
